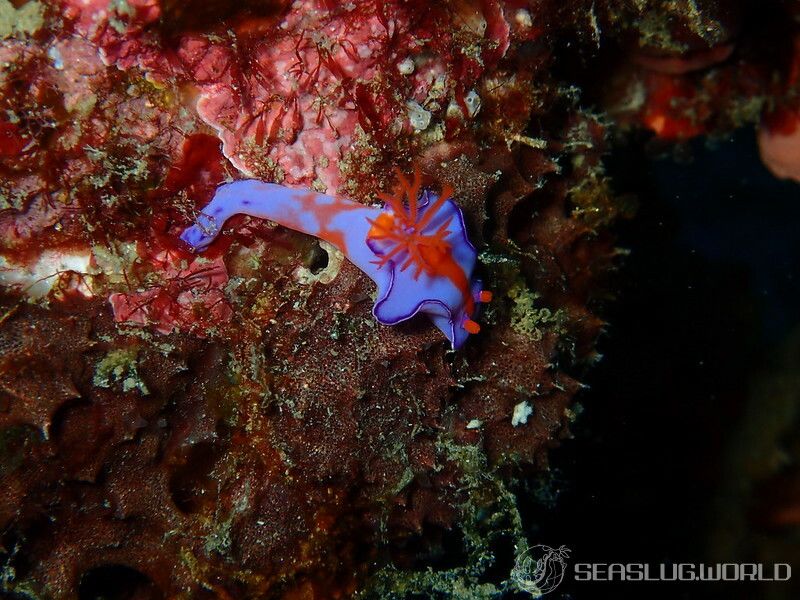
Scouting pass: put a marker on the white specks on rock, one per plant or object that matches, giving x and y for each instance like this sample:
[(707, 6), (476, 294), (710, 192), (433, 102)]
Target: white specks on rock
[(406, 66), (54, 54), (454, 111), (523, 18), (419, 117), (473, 102), (475, 424), (522, 411)]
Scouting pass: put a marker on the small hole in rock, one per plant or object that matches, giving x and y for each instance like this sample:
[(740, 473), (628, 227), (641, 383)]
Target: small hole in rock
[(116, 582), (317, 260)]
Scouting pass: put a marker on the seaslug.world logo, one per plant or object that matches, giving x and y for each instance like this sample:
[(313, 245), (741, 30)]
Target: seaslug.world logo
[(540, 569), (776, 572)]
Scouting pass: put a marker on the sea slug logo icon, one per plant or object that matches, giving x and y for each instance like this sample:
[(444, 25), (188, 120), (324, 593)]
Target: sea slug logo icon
[(540, 569)]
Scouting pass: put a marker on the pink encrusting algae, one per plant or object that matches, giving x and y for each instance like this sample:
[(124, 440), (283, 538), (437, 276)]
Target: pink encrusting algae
[(191, 298), (314, 78)]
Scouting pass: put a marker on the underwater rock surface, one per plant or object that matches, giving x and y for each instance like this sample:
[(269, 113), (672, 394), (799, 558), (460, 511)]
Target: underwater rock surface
[(236, 424)]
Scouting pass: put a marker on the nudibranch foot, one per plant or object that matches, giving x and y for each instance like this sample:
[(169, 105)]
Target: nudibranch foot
[(415, 248)]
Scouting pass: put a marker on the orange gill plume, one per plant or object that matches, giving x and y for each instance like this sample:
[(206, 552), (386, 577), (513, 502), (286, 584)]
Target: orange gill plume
[(404, 228)]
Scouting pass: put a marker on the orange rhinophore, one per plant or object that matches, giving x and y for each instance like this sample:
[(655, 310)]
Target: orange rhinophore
[(471, 326)]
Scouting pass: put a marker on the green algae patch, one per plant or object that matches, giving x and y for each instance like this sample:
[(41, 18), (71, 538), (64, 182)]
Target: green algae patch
[(529, 320), (120, 366), (22, 21)]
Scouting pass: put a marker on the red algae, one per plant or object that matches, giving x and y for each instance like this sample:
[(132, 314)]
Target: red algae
[(670, 107), (778, 135), (779, 144), (681, 65), (691, 73), (190, 298), (11, 141)]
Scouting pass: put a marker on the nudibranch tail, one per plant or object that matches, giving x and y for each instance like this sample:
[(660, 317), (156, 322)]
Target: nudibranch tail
[(302, 210), (415, 248)]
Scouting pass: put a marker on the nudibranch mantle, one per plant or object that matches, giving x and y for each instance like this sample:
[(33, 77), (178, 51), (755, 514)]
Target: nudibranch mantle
[(415, 248)]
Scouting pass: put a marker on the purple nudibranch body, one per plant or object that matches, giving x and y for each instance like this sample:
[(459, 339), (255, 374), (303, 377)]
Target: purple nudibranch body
[(415, 248)]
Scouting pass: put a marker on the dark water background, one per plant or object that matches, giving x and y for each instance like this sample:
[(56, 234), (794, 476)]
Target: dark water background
[(709, 296)]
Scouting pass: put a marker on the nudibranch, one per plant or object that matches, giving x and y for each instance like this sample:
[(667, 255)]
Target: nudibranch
[(415, 247)]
